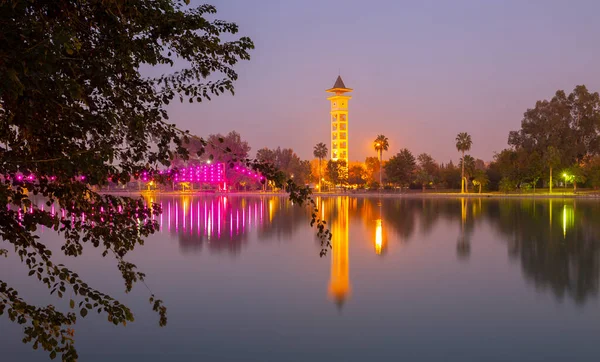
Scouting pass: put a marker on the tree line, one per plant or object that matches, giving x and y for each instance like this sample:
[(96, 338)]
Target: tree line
[(558, 144)]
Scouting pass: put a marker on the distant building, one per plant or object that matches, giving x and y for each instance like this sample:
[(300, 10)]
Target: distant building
[(339, 120)]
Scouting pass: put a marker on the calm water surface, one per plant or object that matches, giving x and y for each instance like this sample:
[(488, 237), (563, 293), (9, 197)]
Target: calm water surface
[(408, 279)]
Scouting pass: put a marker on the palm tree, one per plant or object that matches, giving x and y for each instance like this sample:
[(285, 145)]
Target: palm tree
[(463, 144), (467, 164), (320, 152), (380, 144)]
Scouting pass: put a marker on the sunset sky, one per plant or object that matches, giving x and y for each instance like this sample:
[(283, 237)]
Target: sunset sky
[(422, 71)]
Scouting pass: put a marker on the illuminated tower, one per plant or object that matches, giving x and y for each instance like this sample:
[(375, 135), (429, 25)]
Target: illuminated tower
[(339, 282), (339, 120)]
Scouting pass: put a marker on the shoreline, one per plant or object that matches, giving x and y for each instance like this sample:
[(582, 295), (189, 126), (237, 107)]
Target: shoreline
[(591, 196)]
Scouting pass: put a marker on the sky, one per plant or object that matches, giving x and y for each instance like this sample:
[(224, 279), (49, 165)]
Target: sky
[(422, 71)]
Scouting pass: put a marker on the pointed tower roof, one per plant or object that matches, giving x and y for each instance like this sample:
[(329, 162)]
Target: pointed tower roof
[(339, 83), (339, 87)]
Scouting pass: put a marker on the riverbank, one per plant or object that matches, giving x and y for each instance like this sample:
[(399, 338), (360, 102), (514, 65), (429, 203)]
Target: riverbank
[(410, 194)]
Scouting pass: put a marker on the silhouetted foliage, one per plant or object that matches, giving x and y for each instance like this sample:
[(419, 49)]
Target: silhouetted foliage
[(76, 114)]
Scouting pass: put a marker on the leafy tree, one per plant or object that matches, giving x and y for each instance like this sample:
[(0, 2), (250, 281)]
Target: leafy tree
[(337, 172), (381, 144), (423, 178), (575, 174), (506, 185), (535, 168), (463, 144), (592, 169), (266, 155), (552, 159), (216, 148), (303, 172), (400, 168), (450, 175), (493, 175), (372, 168), (286, 161), (563, 131), (467, 165), (320, 152), (226, 148), (480, 179), (479, 164), (76, 113), (357, 175), (428, 170), (512, 165)]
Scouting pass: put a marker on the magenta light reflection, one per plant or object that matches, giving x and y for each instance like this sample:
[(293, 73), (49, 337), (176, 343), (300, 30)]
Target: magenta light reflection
[(210, 224), (249, 216), (219, 220), (205, 218), (191, 217), (176, 216), (212, 214)]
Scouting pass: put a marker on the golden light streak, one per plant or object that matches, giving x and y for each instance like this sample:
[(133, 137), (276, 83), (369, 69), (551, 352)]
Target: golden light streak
[(378, 237)]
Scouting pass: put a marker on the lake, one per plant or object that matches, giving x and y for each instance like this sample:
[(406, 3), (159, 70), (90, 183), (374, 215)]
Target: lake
[(413, 279)]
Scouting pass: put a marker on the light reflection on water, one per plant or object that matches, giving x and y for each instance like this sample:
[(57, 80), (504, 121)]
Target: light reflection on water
[(441, 279)]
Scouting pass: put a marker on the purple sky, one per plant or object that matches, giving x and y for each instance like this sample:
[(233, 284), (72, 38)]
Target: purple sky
[(422, 71)]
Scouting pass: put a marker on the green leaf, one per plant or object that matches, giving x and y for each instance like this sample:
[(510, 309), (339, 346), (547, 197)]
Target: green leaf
[(72, 304), (83, 312)]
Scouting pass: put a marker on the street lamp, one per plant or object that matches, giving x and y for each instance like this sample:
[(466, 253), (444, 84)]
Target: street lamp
[(566, 177)]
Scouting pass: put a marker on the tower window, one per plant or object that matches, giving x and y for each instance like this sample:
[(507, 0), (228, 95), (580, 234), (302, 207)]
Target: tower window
[(334, 127), (342, 118), (334, 136), (343, 145), (343, 135), (343, 126), (334, 118)]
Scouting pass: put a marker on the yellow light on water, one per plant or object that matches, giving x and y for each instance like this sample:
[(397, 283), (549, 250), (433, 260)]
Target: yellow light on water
[(378, 237), (568, 219)]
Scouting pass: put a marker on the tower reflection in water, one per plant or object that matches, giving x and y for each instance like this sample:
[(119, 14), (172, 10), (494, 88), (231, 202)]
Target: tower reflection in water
[(339, 282)]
